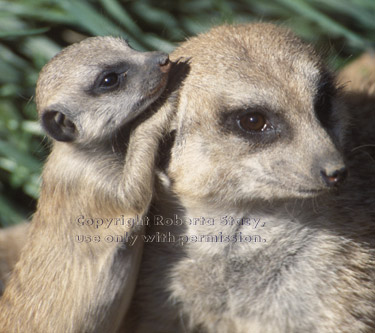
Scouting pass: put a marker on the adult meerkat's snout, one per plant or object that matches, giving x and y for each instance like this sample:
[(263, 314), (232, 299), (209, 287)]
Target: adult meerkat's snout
[(335, 176), (127, 81)]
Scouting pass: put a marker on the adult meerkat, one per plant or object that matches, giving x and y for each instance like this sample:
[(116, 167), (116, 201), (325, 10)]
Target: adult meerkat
[(260, 237), (77, 270)]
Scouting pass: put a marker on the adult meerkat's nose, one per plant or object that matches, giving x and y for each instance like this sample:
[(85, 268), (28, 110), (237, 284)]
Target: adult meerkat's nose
[(334, 177)]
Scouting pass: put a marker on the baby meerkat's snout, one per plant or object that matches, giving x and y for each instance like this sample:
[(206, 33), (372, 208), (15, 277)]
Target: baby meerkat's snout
[(161, 59), (164, 63)]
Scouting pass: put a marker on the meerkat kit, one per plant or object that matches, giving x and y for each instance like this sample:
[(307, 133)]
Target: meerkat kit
[(86, 97)]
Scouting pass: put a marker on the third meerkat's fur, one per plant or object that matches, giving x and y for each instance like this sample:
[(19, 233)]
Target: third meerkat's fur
[(86, 97), (358, 81), (258, 137)]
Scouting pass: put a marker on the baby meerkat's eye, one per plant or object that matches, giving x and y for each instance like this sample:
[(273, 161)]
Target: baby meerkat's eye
[(252, 122), (110, 80)]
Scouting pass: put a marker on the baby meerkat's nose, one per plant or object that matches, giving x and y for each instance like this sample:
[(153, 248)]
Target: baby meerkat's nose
[(334, 177), (163, 59), (164, 63)]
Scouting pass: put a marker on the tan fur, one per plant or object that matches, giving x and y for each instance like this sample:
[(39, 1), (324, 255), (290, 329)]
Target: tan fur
[(12, 240), (316, 272), (313, 269), (359, 76), (60, 284), (358, 83)]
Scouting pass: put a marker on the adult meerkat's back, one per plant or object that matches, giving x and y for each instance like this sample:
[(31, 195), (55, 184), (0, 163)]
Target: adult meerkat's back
[(74, 274), (256, 166)]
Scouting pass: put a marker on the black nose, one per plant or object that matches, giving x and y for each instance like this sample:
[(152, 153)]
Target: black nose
[(159, 58), (334, 178), (163, 59)]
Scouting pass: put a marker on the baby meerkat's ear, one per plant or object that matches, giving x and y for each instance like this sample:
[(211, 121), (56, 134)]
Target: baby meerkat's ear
[(58, 125)]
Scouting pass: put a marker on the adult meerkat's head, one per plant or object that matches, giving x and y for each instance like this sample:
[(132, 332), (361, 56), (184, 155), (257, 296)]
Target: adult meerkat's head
[(94, 87), (258, 119)]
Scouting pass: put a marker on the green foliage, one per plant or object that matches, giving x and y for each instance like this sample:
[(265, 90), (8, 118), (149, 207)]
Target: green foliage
[(32, 31)]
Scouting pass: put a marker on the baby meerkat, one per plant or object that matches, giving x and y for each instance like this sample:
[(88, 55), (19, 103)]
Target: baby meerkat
[(92, 89), (74, 274)]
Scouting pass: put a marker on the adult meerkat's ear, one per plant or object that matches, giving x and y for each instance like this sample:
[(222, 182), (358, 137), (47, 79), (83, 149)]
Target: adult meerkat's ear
[(58, 124)]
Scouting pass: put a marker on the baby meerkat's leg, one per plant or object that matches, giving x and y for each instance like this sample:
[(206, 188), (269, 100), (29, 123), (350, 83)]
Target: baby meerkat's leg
[(141, 158)]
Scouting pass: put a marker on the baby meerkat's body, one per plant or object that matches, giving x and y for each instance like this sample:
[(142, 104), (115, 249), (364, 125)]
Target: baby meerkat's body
[(73, 276), (259, 135)]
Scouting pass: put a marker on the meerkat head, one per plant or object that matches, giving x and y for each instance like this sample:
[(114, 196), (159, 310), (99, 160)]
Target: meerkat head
[(258, 118), (92, 88)]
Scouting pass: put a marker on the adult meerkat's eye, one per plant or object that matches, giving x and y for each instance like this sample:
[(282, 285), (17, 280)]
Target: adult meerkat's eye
[(110, 80), (252, 122)]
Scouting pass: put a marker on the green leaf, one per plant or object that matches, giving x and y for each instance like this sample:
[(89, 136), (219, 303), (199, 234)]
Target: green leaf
[(88, 18), (21, 158), (10, 214), (303, 8), (23, 33)]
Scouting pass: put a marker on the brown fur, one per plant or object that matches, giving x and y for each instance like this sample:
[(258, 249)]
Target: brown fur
[(358, 82), (12, 240)]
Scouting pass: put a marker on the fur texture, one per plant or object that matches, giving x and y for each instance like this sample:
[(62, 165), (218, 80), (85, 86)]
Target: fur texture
[(95, 185), (314, 271), (299, 254)]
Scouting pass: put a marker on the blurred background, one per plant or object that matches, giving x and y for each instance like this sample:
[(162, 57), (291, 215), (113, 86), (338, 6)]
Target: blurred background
[(32, 31)]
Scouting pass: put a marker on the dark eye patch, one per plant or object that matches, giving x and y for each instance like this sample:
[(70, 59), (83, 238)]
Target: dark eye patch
[(110, 78), (326, 91)]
